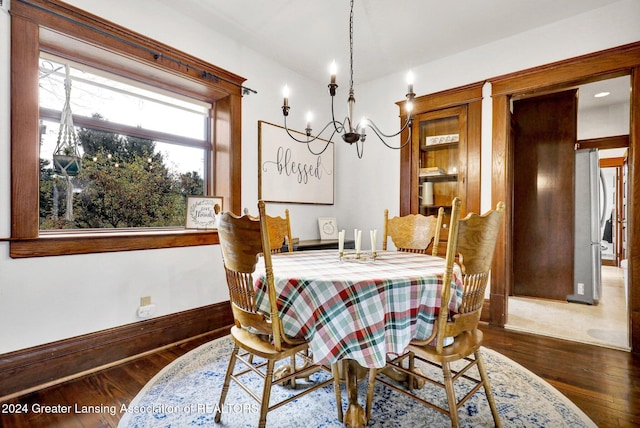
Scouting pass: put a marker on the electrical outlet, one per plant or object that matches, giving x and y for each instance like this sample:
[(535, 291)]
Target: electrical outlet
[(580, 288), (145, 301), (146, 311)]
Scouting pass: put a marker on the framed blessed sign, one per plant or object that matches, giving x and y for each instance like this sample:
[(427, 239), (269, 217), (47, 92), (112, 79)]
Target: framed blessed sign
[(289, 172), (202, 212)]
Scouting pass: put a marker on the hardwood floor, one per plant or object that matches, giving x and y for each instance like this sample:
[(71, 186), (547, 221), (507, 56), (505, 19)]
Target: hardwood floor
[(604, 383)]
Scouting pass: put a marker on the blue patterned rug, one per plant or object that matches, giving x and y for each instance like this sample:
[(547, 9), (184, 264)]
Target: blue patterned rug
[(186, 393)]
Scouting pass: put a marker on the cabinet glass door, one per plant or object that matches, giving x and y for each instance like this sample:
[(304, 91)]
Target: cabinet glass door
[(442, 133)]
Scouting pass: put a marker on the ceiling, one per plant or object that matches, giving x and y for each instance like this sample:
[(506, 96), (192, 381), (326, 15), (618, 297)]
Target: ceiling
[(389, 35)]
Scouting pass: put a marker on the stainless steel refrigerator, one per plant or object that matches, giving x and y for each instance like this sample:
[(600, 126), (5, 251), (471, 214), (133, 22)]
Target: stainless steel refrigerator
[(587, 270)]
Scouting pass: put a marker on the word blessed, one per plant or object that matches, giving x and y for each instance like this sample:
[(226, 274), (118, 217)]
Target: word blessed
[(301, 171)]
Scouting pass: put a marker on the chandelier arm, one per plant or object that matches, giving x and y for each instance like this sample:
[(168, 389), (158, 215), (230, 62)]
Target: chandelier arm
[(360, 150), (312, 139), (334, 121), (381, 135), (324, 149), (286, 128)]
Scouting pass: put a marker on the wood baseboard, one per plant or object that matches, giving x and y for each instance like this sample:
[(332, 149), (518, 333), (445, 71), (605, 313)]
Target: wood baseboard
[(44, 365)]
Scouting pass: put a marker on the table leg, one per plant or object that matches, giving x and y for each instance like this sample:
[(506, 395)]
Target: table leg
[(355, 416)]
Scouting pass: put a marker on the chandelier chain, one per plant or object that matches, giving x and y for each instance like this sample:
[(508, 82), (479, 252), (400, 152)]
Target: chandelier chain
[(351, 46)]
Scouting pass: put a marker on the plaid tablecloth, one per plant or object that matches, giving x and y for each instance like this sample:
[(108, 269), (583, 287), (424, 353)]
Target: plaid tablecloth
[(357, 310)]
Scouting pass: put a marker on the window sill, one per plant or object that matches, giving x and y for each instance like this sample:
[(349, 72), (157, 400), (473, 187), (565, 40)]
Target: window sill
[(58, 244)]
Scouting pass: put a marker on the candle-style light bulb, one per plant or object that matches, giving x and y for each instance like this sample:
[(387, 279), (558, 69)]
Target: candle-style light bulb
[(333, 69), (410, 82), (285, 94), (308, 129), (362, 128)]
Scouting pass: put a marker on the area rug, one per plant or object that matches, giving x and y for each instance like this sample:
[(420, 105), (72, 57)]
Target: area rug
[(186, 393)]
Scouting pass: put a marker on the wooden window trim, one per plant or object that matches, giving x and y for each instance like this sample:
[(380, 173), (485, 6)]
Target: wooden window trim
[(55, 27)]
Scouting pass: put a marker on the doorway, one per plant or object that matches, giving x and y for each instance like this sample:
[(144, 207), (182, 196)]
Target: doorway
[(545, 200), (614, 235), (615, 62)]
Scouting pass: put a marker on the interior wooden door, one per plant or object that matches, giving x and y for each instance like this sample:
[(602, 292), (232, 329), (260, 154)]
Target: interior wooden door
[(543, 201)]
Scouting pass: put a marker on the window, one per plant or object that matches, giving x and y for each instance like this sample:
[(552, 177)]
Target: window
[(127, 192), (136, 152)]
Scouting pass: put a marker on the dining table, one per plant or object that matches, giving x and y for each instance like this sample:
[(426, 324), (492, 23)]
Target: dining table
[(357, 308)]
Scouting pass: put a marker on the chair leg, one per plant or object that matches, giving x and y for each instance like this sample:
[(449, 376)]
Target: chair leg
[(411, 380), (225, 385), (293, 370), (487, 389), (451, 395), (336, 387), (370, 389), (266, 394)]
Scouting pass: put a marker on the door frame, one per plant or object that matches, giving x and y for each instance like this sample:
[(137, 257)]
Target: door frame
[(618, 164), (620, 61), (613, 142)]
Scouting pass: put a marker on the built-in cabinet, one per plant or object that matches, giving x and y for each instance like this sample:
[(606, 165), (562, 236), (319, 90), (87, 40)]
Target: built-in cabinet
[(439, 158), (443, 159)]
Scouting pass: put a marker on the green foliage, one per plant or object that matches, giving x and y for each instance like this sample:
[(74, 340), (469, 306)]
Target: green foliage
[(123, 184)]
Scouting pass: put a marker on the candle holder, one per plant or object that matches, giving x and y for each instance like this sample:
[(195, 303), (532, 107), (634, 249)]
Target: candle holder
[(361, 257)]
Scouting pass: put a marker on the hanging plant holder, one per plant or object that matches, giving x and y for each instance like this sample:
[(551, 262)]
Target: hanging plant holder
[(67, 165), (66, 157)]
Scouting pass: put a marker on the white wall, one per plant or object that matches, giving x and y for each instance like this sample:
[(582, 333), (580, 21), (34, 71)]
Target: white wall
[(47, 299), (607, 121)]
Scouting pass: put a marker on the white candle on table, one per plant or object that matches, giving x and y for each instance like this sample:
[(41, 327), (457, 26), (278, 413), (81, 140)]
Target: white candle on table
[(341, 242), (373, 241), (358, 236)]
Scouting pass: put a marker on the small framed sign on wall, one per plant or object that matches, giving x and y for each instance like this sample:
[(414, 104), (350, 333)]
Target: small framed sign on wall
[(202, 212), (289, 172)]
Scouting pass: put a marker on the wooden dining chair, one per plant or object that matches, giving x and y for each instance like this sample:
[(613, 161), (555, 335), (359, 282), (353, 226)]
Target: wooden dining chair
[(413, 233), (473, 239), (259, 339), (279, 229)]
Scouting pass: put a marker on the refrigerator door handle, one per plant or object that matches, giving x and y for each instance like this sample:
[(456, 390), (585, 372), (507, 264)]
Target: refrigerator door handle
[(603, 184)]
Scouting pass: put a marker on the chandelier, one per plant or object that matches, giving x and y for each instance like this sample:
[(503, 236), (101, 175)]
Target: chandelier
[(350, 131)]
